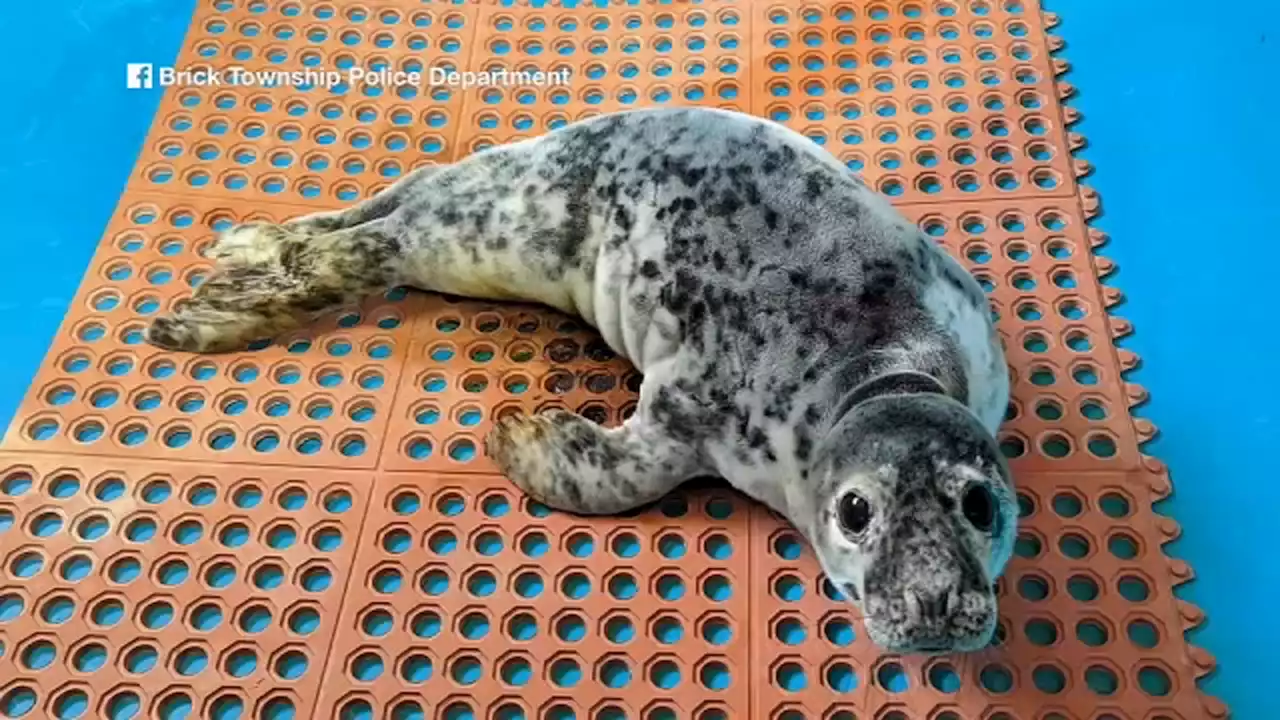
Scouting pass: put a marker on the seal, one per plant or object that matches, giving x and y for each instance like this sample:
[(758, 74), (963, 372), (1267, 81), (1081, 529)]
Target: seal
[(797, 337)]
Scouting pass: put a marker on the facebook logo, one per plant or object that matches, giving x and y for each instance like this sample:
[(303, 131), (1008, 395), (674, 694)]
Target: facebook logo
[(139, 76)]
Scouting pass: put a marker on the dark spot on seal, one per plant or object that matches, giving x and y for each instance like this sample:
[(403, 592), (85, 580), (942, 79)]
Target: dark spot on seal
[(448, 216), (691, 176), (815, 185), (804, 443), (678, 295), (622, 217), (289, 257), (812, 414), (726, 205), (879, 280), (570, 487), (682, 425)]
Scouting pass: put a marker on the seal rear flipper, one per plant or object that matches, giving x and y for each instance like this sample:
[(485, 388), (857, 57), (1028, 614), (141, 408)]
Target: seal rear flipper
[(269, 279)]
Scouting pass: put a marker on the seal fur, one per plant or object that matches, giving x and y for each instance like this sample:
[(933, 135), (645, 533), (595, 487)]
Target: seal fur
[(797, 336)]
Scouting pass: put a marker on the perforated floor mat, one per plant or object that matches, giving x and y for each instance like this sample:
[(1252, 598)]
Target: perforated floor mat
[(310, 529)]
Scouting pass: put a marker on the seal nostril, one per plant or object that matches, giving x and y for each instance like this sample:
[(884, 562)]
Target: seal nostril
[(933, 607)]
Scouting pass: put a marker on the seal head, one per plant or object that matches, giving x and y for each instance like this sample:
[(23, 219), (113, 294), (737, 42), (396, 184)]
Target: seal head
[(914, 519)]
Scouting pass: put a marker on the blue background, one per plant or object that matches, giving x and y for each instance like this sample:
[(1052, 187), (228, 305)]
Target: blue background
[(1180, 105)]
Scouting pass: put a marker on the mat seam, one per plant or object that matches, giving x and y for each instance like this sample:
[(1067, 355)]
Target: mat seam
[(464, 107), (346, 591)]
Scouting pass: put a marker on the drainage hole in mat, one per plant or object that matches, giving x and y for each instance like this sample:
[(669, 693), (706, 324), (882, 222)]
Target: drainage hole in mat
[(789, 631), (534, 544), (89, 658), (841, 677), (619, 630), (416, 669), (206, 617), (54, 611), (462, 450), (996, 679), (316, 579), (303, 621), (219, 575), (668, 630), (141, 659), (255, 619), (191, 661), (240, 663), (717, 588), (571, 628), (566, 672), (1101, 680), (664, 675), (157, 615), (474, 626), (18, 701), (788, 588), (515, 671), (522, 626), (26, 565), (466, 670)]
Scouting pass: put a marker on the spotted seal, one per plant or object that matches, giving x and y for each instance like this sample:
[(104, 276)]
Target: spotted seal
[(796, 335)]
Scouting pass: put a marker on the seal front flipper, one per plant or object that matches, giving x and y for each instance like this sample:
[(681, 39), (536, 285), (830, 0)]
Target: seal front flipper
[(570, 463)]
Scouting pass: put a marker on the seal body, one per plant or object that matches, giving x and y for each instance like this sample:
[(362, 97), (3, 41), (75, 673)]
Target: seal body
[(781, 312)]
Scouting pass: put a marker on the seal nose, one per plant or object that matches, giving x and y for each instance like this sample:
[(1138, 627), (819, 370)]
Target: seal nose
[(933, 606)]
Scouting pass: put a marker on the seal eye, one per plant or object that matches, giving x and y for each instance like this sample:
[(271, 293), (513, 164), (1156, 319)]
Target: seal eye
[(855, 513), (979, 508)]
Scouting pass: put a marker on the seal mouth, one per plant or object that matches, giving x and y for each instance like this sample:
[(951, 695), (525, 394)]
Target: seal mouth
[(850, 592), (883, 632), (934, 650), (929, 648)]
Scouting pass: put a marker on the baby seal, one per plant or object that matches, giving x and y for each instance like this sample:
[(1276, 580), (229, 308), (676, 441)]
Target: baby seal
[(796, 335)]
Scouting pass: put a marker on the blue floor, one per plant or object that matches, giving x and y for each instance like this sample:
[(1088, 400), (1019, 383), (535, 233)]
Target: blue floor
[(1182, 141)]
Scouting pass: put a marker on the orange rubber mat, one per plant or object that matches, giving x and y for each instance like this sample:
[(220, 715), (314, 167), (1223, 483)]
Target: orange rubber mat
[(311, 530)]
